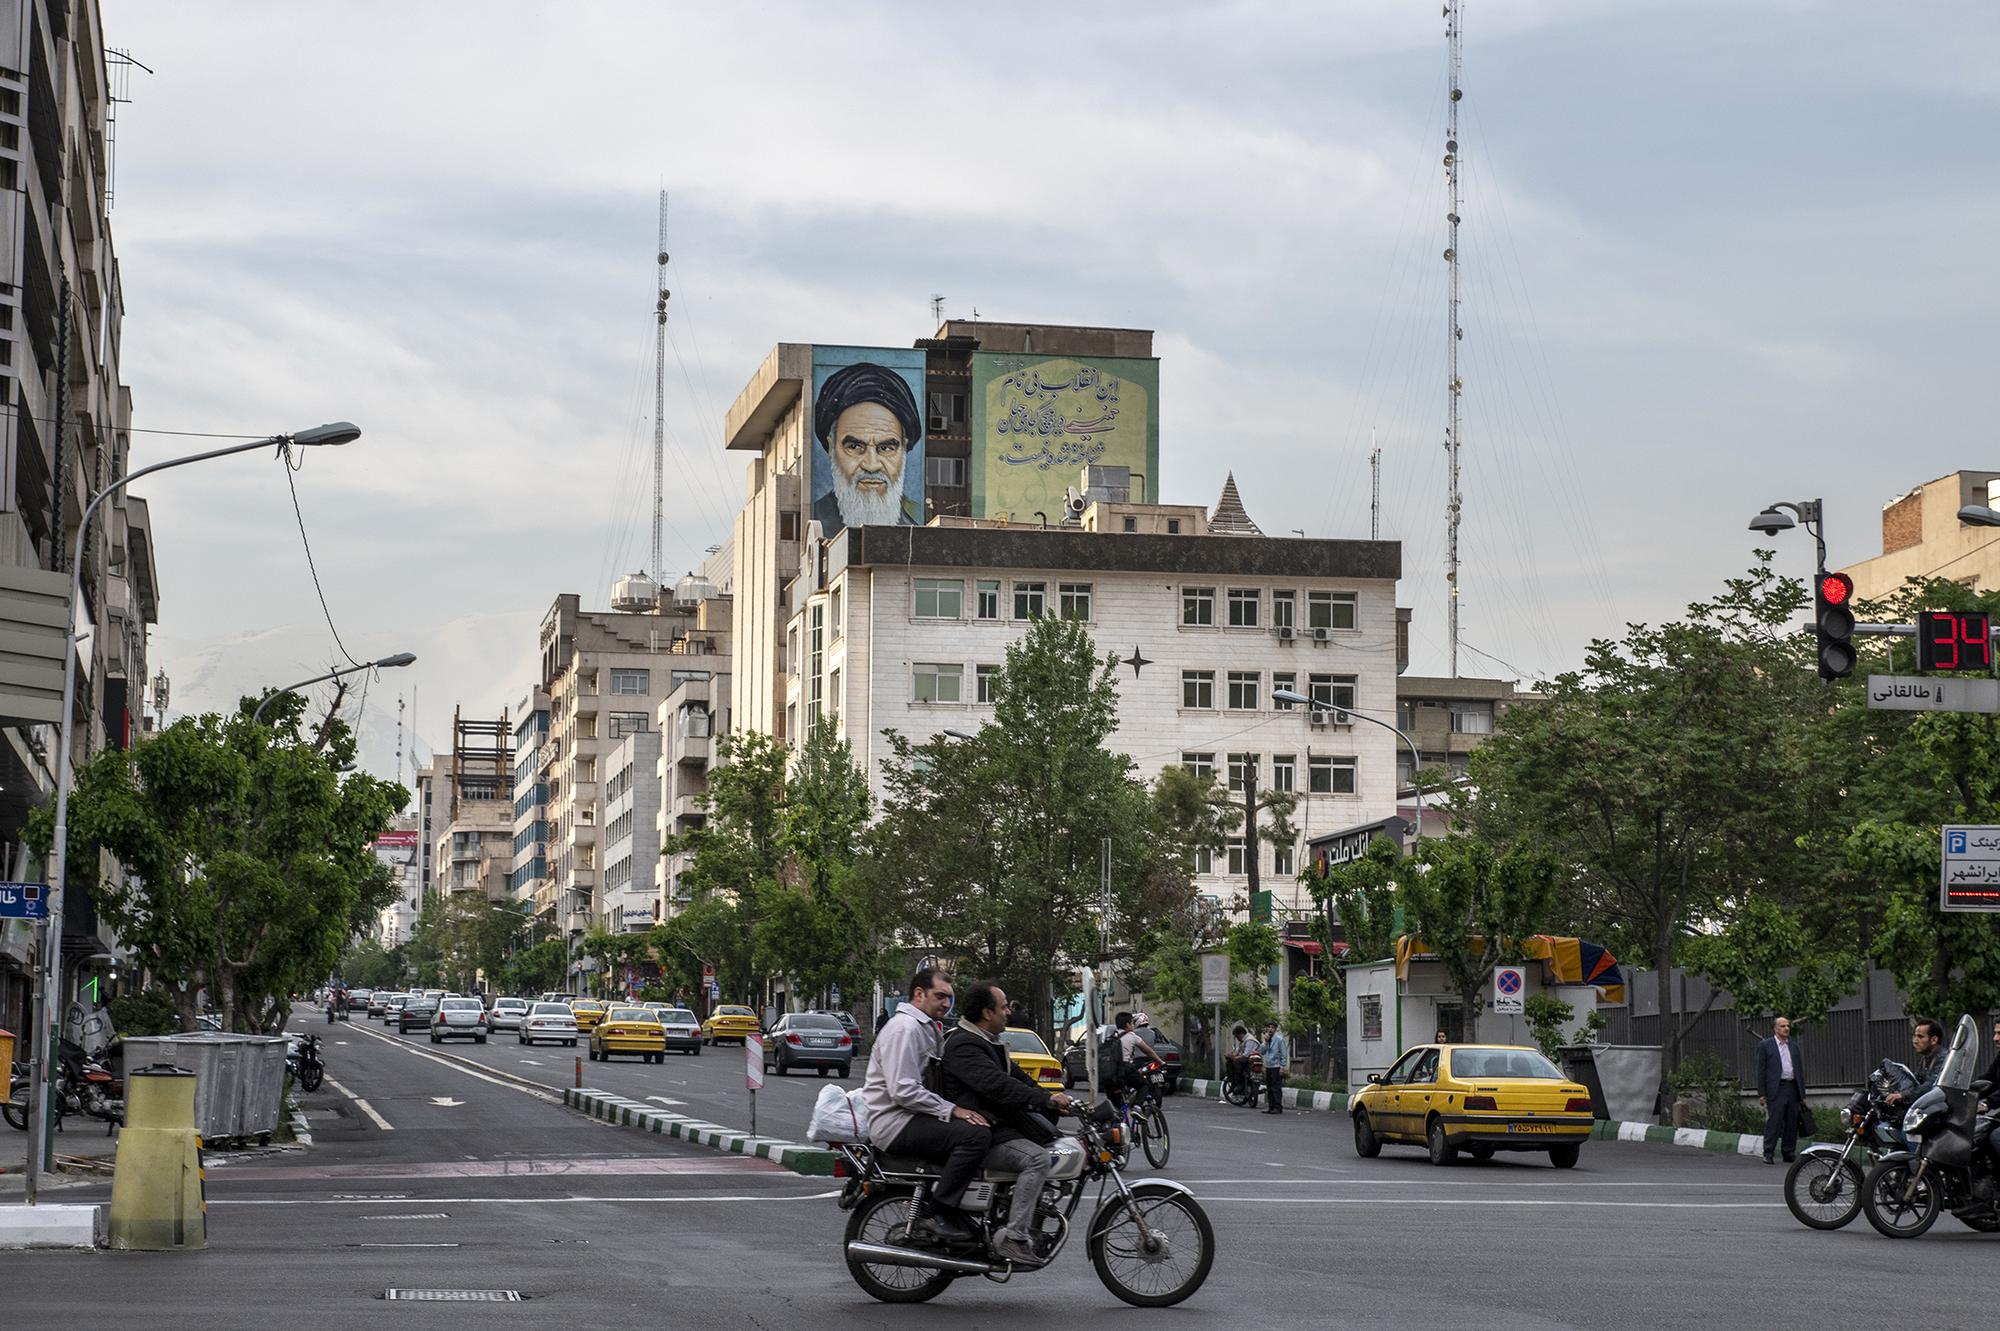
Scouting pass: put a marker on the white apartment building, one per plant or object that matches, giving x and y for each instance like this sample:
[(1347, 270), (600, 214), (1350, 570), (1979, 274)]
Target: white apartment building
[(906, 628), (693, 719), (632, 834), (529, 879)]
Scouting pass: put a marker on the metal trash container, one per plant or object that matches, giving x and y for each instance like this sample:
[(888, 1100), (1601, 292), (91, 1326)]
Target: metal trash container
[(262, 1079), (1624, 1079), (217, 1064)]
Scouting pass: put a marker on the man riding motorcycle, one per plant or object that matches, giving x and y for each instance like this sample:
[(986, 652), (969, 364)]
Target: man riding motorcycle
[(976, 1073), (907, 1118)]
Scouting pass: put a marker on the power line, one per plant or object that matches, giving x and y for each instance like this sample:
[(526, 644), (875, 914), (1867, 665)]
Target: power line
[(312, 566)]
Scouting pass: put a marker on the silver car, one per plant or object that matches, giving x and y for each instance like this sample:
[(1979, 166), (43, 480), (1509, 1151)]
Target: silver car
[(548, 1021), (392, 1008), (458, 1017), (507, 1013)]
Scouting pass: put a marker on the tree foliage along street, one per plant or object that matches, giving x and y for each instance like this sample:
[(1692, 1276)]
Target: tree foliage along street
[(1474, 904), (1360, 896), (249, 851)]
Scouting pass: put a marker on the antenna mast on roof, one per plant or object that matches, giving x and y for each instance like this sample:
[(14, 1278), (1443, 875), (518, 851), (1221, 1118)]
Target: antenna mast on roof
[(1454, 387), (1375, 487), (399, 740), (660, 394), (937, 309)]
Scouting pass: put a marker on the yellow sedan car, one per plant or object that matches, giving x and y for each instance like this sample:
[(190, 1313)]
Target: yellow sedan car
[(730, 1022), (1479, 1098), (588, 1013), (629, 1030), (1030, 1055)]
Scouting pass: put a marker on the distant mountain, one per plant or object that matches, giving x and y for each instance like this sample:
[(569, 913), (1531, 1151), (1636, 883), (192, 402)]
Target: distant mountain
[(481, 663)]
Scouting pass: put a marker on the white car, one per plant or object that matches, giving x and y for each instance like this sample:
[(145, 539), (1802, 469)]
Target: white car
[(682, 1026), (507, 1013), (548, 1021), (457, 1017)]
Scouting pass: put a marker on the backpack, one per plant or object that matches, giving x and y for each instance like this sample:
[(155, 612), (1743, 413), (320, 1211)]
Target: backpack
[(1110, 1057)]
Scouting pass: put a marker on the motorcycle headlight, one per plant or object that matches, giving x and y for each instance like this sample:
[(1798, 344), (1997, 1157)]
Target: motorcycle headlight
[(1914, 1121), (1846, 1119)]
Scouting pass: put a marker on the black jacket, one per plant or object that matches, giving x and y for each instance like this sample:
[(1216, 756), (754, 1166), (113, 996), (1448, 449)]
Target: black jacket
[(975, 1073), (1770, 1067)]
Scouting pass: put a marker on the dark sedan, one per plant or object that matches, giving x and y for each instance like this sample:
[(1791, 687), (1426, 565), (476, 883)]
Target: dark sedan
[(808, 1040), (417, 1015)]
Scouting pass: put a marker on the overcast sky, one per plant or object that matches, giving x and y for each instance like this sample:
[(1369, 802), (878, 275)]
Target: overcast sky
[(1717, 255)]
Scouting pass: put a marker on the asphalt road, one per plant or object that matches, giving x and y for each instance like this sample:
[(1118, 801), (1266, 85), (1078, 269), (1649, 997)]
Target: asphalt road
[(606, 1226)]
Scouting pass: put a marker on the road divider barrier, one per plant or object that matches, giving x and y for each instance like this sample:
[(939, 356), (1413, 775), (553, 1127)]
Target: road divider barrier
[(623, 1112)]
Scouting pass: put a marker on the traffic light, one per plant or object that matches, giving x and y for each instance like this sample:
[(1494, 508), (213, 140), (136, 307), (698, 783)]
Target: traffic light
[(1833, 625)]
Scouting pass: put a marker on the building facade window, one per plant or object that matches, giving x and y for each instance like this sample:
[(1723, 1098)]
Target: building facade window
[(1472, 718), (1243, 690), (1284, 861), (1202, 765), (1198, 607), (833, 694), (1204, 860), (944, 471), (839, 614), (940, 598), (1330, 610), (1331, 776), (1245, 607), (985, 683), (630, 681), (1198, 689), (1284, 610), (627, 723), (1333, 691), (1242, 771), (1284, 771), (1239, 859), (939, 682), (1030, 599), (1074, 600), (1285, 681), (986, 598), (815, 661)]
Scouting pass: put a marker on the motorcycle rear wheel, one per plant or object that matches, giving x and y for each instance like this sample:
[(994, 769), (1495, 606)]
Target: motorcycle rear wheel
[(886, 1219), (310, 1078), (1889, 1212), (1823, 1191), (1179, 1265)]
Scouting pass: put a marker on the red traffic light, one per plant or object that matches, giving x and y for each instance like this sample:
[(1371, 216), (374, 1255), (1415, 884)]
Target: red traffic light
[(1835, 588)]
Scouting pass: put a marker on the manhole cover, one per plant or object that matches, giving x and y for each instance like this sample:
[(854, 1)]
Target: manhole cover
[(455, 1295)]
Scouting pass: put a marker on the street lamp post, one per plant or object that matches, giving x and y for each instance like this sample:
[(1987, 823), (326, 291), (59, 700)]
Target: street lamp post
[(1349, 714), (48, 1005), (386, 663)]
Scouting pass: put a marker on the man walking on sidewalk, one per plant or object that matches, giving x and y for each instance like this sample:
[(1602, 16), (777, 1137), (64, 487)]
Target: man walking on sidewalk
[(1781, 1083), (1277, 1057)]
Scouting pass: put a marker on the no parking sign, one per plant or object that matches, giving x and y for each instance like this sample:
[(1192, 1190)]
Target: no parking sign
[(1510, 984)]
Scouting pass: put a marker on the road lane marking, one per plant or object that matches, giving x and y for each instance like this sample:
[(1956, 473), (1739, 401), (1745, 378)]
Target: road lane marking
[(1255, 1132), (522, 1201), (362, 1105), (1267, 1182), (666, 1100), (1501, 1201), (446, 1101), (407, 1048)]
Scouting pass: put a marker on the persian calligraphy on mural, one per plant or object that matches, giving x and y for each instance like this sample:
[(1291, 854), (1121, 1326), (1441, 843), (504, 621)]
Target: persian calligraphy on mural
[(1062, 423), (1037, 421)]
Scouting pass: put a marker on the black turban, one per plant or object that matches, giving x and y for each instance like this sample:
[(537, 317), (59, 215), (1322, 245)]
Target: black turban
[(866, 382)]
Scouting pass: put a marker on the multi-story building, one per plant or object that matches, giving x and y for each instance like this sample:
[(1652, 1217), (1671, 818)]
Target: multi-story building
[(906, 628), (529, 880), (632, 833), (431, 806), (1449, 718), (1923, 536), (693, 719), (606, 673), (397, 848), (65, 419), (473, 813)]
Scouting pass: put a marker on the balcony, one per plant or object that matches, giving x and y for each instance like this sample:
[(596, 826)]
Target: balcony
[(693, 750), (689, 808), (577, 920)]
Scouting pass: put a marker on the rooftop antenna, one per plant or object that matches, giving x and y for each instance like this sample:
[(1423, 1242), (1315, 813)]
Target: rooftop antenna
[(1454, 387), (937, 309), (1375, 487), (660, 395)]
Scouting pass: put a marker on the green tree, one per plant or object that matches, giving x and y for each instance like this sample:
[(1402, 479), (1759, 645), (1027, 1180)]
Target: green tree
[(249, 850), (1473, 905), (537, 968), (370, 965), (1360, 896), (1253, 951), (1768, 960), (817, 925)]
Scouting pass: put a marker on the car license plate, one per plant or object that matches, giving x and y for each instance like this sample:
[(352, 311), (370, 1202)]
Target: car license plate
[(1534, 1127), (820, 1044)]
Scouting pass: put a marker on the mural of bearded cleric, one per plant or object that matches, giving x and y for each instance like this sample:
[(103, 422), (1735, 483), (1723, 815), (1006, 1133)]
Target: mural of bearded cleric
[(866, 421)]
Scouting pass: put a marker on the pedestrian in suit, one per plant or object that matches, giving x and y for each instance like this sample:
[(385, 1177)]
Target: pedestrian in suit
[(1781, 1080)]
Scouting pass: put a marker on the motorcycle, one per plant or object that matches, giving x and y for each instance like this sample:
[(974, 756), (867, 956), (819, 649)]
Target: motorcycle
[(1246, 1092), (1823, 1186), (303, 1062), (90, 1088), (20, 1101), (1151, 1242), (1953, 1166)]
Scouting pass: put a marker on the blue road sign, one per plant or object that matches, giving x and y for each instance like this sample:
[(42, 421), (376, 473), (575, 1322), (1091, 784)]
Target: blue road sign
[(24, 901)]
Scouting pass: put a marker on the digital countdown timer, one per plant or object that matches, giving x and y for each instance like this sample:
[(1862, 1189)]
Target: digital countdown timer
[(1954, 640)]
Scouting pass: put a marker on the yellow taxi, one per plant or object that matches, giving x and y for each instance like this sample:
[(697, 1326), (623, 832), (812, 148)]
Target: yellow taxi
[(588, 1013), (629, 1030), (1030, 1055), (730, 1022), (1479, 1098)]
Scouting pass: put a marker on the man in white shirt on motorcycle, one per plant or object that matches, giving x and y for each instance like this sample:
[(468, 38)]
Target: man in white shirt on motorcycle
[(907, 1118)]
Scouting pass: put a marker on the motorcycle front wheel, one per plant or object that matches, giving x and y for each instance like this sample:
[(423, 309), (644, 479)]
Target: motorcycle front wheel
[(1159, 1144), (1162, 1265), (15, 1110), (886, 1220), (1892, 1212), (1824, 1191), (311, 1077)]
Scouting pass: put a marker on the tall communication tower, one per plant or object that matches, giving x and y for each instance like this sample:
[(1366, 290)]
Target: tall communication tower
[(1455, 387), (399, 741), (1374, 487), (660, 397)]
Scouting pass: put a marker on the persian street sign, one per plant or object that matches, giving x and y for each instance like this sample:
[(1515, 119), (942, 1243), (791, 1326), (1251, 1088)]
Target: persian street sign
[(1970, 864), (24, 901), (1918, 693)]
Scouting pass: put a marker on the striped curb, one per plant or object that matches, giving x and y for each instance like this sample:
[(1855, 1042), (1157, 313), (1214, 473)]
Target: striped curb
[(622, 1112), (1321, 1102)]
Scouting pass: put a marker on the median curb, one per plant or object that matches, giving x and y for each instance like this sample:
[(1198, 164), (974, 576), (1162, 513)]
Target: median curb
[(623, 1112), (1700, 1139)]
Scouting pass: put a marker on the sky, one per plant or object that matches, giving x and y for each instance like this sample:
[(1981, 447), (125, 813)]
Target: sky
[(1715, 255)]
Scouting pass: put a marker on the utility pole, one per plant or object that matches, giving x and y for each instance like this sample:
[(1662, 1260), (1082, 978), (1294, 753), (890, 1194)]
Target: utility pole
[(660, 397), (1452, 438)]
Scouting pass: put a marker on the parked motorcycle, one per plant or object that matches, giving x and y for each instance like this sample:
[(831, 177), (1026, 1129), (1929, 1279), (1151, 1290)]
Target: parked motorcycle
[(1246, 1092), (1953, 1166), (303, 1062), (91, 1087), (20, 1101), (1150, 1242), (1823, 1187)]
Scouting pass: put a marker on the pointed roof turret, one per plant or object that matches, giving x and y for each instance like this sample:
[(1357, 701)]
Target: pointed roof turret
[(1229, 518)]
